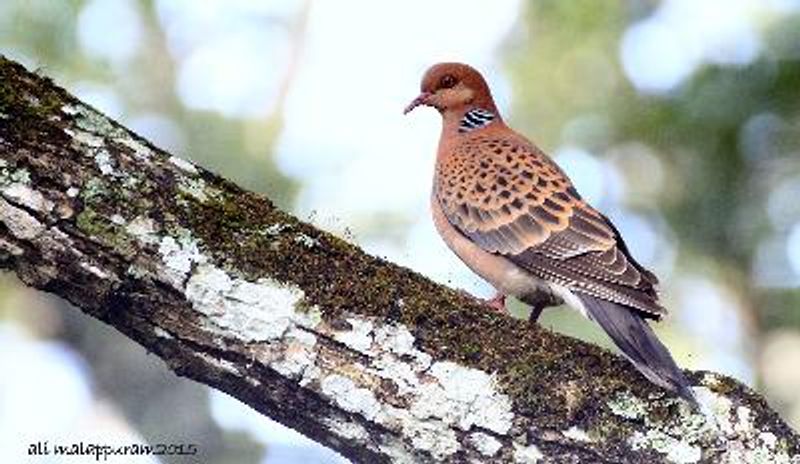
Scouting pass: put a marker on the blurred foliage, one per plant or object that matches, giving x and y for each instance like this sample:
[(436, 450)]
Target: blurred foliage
[(563, 61), (717, 207)]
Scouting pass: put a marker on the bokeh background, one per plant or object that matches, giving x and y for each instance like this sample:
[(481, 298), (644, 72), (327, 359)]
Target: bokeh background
[(680, 119)]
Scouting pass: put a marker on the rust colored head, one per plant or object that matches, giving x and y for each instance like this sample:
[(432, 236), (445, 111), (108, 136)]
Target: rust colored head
[(453, 87)]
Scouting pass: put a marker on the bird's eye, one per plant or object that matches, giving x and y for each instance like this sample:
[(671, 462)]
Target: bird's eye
[(447, 82)]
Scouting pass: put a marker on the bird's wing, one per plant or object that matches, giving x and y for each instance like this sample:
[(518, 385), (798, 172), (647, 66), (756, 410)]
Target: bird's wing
[(511, 199)]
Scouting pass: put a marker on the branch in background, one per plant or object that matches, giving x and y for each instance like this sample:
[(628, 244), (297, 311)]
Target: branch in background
[(361, 355)]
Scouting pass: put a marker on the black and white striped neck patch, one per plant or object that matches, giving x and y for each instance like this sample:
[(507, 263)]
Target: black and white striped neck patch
[(475, 119)]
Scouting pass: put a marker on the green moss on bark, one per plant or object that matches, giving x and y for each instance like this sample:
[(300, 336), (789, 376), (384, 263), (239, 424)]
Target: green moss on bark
[(20, 107)]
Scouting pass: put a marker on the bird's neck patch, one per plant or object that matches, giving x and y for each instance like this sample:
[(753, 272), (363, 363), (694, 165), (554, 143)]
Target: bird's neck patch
[(475, 119)]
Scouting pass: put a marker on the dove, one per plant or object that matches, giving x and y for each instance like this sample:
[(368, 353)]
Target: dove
[(514, 218)]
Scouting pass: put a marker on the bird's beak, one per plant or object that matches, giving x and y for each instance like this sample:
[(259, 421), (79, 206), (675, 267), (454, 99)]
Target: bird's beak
[(422, 99)]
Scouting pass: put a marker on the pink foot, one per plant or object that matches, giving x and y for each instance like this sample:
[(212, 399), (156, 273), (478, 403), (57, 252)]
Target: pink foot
[(497, 302)]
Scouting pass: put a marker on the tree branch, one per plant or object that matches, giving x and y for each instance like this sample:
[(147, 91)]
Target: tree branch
[(361, 355)]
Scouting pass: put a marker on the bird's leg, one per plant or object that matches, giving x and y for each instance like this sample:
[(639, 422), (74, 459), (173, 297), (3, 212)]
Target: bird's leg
[(536, 311), (538, 301)]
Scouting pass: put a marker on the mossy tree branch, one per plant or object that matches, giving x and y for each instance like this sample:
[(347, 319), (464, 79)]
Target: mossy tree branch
[(361, 355)]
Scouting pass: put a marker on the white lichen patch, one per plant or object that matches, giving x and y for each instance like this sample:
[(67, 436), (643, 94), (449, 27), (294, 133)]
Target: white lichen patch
[(397, 339), (104, 162), (19, 222), (299, 356), (140, 150), (386, 344), (69, 110), (94, 130), (346, 429), (161, 333), (359, 337), (194, 187), (251, 311), (137, 271), (677, 451), (391, 349), (485, 444), (15, 186), (736, 425), (349, 396), (183, 165), (262, 311), (73, 192), (403, 375), (22, 194), (131, 182), (717, 409), (681, 438), (576, 434), (444, 392), (443, 396), (143, 229), (220, 363), (274, 229), (94, 187), (16, 176), (95, 270), (82, 139), (305, 240), (464, 397), (744, 421), (89, 121), (678, 439), (628, 406), (179, 255), (768, 439), (10, 248), (431, 437), (527, 454)]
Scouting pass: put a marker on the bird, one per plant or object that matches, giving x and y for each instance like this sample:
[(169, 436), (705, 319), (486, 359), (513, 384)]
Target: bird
[(514, 217)]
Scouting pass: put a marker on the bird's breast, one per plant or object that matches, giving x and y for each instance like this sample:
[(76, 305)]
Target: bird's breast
[(499, 271)]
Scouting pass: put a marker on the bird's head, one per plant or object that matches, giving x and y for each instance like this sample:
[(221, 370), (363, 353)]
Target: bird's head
[(453, 87)]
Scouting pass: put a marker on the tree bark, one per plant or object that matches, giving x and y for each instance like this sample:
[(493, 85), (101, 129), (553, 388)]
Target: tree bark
[(361, 355)]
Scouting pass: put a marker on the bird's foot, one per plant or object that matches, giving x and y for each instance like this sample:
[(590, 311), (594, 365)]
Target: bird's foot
[(497, 302)]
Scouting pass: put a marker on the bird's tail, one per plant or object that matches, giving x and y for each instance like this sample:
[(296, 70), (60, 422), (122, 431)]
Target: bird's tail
[(631, 333)]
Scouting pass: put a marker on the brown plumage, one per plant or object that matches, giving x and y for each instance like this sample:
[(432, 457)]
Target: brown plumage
[(514, 217)]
